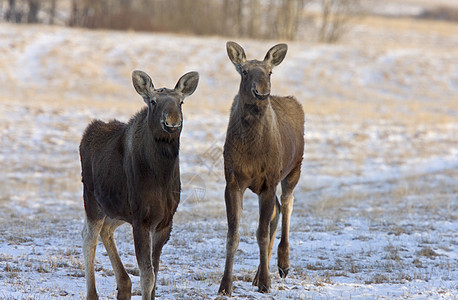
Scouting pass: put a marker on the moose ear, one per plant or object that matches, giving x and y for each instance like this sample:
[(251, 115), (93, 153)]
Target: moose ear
[(276, 54), (235, 52), (187, 84), (143, 85)]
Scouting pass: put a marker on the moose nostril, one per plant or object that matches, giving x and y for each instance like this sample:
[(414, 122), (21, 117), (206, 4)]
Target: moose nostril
[(259, 95), (172, 124)]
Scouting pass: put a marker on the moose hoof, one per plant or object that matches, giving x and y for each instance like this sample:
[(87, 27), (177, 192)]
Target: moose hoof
[(283, 272), (263, 289), (225, 290), (224, 293), (263, 284)]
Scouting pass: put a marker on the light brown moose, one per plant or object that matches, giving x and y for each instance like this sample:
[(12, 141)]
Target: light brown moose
[(264, 146), (131, 173)]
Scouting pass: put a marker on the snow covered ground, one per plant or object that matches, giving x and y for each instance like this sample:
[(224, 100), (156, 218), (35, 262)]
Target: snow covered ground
[(375, 213)]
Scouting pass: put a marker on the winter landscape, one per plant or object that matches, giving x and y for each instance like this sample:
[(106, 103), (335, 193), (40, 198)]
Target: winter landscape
[(376, 209)]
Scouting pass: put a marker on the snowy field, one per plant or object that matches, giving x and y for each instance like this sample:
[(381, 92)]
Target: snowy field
[(376, 209)]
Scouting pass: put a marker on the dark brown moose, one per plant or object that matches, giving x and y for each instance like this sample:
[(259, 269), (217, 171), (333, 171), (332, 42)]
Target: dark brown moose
[(264, 146), (130, 173)]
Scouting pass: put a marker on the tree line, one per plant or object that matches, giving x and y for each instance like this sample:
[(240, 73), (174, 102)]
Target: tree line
[(262, 19)]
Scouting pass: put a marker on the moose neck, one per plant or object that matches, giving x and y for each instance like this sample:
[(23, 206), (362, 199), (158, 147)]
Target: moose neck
[(252, 111), (163, 147), (253, 121)]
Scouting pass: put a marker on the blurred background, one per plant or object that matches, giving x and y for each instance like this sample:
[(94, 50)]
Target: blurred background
[(376, 208), (320, 20)]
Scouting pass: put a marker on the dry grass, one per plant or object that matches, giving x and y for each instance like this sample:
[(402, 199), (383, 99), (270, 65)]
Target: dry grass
[(400, 25)]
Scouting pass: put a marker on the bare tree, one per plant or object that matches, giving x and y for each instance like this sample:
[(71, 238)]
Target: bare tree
[(52, 11), (238, 17), (34, 8), (289, 16), (73, 21), (10, 15), (255, 12), (242, 18), (125, 4), (335, 18)]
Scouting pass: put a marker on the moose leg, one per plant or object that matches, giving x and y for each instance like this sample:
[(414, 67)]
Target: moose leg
[(233, 197), (90, 234), (273, 231), (122, 278), (160, 238), (142, 241), (266, 208), (287, 185)]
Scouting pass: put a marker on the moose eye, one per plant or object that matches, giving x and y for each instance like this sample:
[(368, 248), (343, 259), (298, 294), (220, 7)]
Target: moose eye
[(245, 72), (270, 73)]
